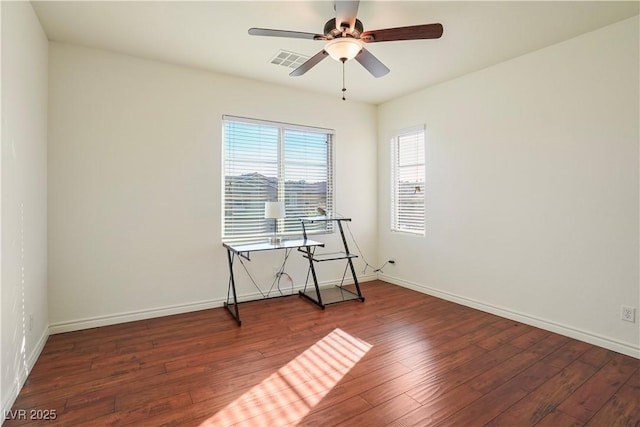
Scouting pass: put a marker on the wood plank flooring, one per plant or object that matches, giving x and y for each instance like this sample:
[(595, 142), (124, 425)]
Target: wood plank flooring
[(401, 358)]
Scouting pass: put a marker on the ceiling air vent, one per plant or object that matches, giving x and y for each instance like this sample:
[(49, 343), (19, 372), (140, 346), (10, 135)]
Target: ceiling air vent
[(288, 59)]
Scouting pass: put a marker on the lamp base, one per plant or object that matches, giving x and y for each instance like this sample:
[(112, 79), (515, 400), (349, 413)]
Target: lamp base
[(275, 240)]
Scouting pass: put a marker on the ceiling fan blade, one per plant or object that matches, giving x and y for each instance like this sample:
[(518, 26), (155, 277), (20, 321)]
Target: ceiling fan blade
[(371, 63), (346, 12), (284, 33), (414, 32), (309, 63)]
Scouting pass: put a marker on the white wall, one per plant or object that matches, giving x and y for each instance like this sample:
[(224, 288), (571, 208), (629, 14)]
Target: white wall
[(135, 183), (24, 196), (532, 188)]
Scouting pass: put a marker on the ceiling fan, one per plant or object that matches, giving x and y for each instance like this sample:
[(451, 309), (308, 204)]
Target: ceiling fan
[(345, 37)]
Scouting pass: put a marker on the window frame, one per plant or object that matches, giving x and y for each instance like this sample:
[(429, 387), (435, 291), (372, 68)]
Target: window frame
[(288, 227), (395, 196)]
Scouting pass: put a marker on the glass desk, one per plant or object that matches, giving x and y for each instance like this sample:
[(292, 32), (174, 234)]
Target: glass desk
[(244, 250)]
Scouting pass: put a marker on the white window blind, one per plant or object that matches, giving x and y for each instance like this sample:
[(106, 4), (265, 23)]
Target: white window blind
[(267, 161), (408, 181)]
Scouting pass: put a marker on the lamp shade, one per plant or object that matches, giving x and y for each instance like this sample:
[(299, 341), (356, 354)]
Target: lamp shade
[(274, 210), (344, 48)]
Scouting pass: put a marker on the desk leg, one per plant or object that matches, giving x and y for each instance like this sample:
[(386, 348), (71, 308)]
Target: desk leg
[(315, 280), (355, 280), (350, 262), (232, 287)]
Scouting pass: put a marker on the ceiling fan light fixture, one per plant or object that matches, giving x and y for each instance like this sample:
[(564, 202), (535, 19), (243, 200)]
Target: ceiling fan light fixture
[(343, 48)]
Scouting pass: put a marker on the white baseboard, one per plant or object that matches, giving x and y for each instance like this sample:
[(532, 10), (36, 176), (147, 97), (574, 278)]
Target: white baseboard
[(589, 337), (112, 319), (131, 316), (326, 284), (29, 362)]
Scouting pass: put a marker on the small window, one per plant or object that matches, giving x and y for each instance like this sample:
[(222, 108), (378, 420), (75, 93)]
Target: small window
[(267, 162), (408, 181)]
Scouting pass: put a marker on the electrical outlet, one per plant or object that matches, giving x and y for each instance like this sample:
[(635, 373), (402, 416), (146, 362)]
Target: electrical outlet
[(628, 313)]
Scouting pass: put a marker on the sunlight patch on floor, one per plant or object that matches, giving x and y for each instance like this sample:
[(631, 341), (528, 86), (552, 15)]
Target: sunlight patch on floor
[(288, 395)]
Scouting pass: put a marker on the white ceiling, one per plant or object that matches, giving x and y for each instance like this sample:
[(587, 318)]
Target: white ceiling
[(212, 35)]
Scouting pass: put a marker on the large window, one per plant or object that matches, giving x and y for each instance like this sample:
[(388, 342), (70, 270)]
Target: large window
[(407, 181), (267, 161)]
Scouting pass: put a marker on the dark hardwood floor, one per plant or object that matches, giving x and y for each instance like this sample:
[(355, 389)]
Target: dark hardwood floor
[(401, 358)]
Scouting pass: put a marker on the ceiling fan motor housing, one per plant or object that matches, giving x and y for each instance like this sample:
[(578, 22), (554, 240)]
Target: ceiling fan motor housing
[(331, 30)]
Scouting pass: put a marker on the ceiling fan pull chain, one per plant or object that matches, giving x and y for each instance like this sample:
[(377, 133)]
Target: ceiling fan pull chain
[(344, 89)]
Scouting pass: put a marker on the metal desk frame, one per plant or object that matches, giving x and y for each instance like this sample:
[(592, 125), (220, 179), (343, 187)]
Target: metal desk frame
[(244, 251), (337, 294)]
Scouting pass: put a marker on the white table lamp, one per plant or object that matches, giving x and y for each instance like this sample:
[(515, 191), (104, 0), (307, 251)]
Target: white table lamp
[(275, 211)]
